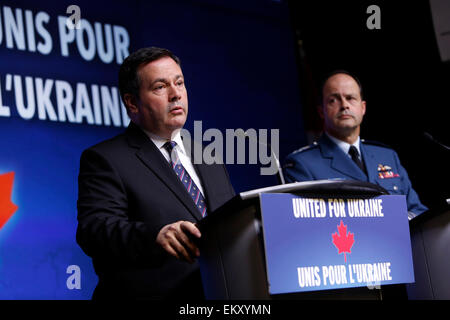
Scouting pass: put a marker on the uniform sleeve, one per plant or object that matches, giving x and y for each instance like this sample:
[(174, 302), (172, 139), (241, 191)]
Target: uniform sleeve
[(294, 170), (412, 198), (104, 230)]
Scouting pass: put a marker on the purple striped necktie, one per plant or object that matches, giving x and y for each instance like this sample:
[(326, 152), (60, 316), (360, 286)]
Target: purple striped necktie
[(185, 178)]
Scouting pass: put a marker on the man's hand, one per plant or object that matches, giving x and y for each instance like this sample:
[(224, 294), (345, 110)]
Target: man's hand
[(175, 238)]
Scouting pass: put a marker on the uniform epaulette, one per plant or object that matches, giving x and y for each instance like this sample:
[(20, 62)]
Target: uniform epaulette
[(313, 145), (375, 143)]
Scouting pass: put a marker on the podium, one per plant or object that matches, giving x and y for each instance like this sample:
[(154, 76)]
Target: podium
[(232, 259), (430, 240)]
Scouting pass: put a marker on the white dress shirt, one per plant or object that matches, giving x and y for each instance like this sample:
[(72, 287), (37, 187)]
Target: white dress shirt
[(181, 152), (344, 146)]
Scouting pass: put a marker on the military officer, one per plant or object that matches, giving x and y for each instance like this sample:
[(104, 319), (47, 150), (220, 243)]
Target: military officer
[(341, 154)]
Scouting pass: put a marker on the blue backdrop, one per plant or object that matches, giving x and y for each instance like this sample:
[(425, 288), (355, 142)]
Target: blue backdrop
[(58, 96)]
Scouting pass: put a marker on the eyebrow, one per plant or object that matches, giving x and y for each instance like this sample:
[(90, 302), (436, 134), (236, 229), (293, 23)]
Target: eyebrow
[(337, 95), (334, 95), (164, 80)]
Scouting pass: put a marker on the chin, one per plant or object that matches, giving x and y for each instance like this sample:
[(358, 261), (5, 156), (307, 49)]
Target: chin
[(177, 124), (346, 125)]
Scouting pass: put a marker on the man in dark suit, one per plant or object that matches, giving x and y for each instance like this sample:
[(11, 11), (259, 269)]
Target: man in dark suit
[(140, 195), (341, 154)]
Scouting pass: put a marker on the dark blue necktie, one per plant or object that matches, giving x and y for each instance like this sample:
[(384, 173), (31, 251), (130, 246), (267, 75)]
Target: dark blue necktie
[(185, 178), (353, 152)]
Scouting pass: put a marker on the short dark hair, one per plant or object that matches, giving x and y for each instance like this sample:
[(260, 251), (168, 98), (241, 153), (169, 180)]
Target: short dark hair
[(129, 81), (341, 71)]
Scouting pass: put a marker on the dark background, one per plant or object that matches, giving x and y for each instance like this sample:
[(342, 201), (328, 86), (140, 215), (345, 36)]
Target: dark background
[(404, 81)]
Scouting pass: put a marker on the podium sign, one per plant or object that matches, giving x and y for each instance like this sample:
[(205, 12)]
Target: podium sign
[(332, 243)]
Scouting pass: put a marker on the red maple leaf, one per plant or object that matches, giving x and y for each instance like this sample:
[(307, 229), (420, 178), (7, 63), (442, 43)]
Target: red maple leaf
[(7, 208), (344, 241)]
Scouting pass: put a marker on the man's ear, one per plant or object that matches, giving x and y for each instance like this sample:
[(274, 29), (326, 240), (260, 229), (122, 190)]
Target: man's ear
[(131, 103), (363, 105)]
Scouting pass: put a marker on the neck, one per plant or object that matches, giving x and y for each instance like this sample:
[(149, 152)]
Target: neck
[(164, 134), (349, 138), (169, 135)]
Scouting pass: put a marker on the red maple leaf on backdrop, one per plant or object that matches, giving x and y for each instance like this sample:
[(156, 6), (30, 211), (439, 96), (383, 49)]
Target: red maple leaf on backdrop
[(343, 241), (7, 208)]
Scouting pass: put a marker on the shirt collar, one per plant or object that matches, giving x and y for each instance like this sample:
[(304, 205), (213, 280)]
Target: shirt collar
[(344, 146), (160, 142)]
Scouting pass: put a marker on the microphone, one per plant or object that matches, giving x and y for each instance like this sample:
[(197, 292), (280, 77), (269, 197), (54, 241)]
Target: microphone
[(277, 162), (430, 137)]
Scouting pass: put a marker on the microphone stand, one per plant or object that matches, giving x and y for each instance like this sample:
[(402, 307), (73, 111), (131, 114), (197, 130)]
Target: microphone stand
[(430, 137), (277, 162)]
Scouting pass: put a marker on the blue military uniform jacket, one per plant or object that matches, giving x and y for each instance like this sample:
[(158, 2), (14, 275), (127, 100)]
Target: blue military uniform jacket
[(325, 160)]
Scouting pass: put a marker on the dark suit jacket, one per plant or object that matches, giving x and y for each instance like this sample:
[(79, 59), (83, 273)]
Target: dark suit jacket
[(127, 193), (325, 160)]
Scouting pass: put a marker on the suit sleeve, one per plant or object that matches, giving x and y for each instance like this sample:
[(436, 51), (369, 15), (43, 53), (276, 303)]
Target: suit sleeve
[(294, 170), (412, 198), (104, 229)]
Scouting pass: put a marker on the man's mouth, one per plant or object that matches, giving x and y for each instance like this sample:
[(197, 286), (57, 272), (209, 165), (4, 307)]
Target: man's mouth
[(345, 116), (176, 110)]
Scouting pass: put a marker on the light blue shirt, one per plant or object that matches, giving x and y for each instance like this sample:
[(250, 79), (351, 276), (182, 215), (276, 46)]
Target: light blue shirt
[(344, 146)]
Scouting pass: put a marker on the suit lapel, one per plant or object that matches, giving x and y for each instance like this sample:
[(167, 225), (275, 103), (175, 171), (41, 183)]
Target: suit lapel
[(149, 154), (339, 160)]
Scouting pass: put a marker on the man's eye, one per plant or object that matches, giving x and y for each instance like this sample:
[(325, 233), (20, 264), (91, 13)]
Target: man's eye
[(158, 87)]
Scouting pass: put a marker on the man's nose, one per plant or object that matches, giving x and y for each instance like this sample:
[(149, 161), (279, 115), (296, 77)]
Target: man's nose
[(345, 104), (174, 93)]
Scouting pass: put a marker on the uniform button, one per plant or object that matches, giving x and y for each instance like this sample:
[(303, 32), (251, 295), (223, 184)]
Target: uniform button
[(395, 188)]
